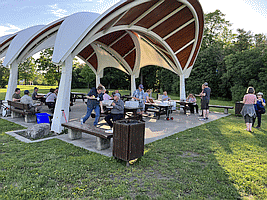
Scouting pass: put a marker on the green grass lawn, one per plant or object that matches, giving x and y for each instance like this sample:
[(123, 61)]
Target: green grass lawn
[(217, 160)]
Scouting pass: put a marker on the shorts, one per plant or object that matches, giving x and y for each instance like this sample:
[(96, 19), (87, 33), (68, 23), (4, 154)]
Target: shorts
[(204, 104)]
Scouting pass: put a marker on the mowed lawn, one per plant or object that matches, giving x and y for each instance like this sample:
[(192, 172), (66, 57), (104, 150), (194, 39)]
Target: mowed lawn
[(217, 160)]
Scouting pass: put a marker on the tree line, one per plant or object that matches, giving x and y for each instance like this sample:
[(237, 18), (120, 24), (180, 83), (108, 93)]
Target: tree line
[(229, 62)]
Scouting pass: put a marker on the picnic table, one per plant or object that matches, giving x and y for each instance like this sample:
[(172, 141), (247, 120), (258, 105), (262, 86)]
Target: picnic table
[(126, 98), (77, 95), (184, 105), (132, 110), (159, 109)]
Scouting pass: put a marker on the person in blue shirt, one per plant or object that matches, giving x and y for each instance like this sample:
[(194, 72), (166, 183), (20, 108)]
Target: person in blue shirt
[(259, 108), (165, 96), (138, 95), (95, 98)]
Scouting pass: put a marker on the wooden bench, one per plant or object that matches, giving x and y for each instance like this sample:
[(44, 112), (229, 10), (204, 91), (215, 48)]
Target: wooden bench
[(75, 130), (225, 107), (19, 109)]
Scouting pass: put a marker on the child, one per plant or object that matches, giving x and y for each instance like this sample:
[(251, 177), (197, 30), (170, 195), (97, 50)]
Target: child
[(259, 108)]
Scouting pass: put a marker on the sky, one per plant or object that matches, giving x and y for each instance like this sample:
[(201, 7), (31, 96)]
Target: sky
[(251, 15)]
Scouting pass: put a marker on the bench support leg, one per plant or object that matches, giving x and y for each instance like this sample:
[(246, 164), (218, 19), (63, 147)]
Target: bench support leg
[(30, 118), (102, 144), (226, 111), (74, 134), (15, 114)]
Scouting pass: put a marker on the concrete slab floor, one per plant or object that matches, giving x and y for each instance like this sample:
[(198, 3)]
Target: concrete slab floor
[(155, 129)]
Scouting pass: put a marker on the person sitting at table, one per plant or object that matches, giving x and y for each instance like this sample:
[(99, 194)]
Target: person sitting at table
[(165, 96), (26, 99), (116, 92), (192, 100), (51, 99), (34, 94), (16, 95), (106, 96), (56, 91), (116, 112), (138, 95), (146, 96)]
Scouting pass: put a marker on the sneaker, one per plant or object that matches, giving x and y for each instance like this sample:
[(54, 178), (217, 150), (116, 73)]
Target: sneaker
[(109, 131), (207, 118), (258, 127), (202, 119)]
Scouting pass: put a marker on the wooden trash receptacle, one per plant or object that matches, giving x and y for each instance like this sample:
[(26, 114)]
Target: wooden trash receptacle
[(238, 108), (128, 139)]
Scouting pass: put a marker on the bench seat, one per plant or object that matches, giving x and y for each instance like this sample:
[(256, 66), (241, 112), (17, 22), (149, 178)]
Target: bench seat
[(17, 109), (75, 130), (225, 107)]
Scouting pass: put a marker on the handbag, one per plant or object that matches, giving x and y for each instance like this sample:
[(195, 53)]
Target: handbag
[(261, 110)]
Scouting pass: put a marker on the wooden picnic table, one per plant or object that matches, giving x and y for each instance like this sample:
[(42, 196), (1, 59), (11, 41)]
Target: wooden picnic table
[(78, 95), (134, 111), (160, 109), (184, 104)]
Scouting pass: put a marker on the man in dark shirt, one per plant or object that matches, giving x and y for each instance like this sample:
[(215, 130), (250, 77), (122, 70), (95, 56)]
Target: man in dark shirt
[(34, 94), (205, 101), (95, 96), (16, 95)]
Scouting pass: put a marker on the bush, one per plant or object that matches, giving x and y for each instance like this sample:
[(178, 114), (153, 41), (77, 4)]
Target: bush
[(238, 92)]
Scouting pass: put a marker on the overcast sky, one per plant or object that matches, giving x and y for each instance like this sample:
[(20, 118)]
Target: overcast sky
[(20, 14)]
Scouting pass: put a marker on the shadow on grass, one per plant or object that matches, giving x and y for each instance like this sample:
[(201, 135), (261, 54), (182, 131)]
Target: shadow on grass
[(181, 166)]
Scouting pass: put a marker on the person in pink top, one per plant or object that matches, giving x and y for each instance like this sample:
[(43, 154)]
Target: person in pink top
[(248, 110), (106, 96)]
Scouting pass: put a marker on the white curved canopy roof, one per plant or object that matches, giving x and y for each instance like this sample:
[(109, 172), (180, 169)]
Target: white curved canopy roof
[(4, 44), (133, 33), (18, 42), (73, 28)]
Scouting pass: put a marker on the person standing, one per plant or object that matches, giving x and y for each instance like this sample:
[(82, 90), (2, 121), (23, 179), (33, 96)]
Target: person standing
[(138, 95), (259, 108), (95, 98), (16, 95), (116, 112), (205, 101), (248, 110)]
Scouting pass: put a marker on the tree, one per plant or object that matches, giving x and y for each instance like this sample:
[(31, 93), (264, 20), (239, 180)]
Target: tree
[(27, 70), (216, 29), (87, 76), (77, 79), (244, 40), (50, 71), (4, 74), (115, 78)]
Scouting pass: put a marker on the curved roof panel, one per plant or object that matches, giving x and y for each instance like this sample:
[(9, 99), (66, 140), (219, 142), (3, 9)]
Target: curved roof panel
[(174, 27), (4, 43), (18, 43), (73, 28)]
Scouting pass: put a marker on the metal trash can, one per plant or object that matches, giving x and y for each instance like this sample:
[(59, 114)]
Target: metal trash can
[(128, 139), (238, 108)]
